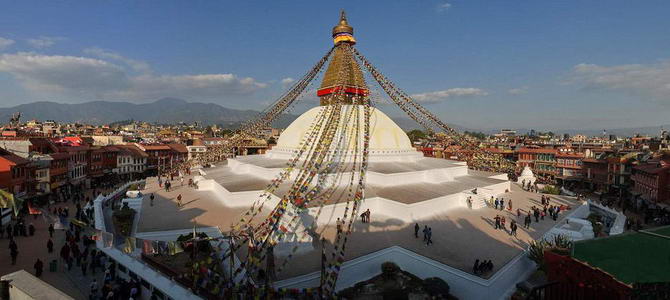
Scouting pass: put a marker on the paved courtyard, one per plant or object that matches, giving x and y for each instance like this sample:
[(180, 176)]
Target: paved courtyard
[(460, 236)]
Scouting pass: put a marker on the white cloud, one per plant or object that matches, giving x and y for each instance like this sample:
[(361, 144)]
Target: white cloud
[(444, 7), (286, 82), (439, 96), (4, 43), (136, 65), (649, 80), (82, 78), (64, 74), (518, 91), (44, 41)]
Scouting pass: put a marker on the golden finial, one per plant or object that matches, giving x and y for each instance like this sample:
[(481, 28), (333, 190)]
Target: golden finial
[(343, 18), (343, 26)]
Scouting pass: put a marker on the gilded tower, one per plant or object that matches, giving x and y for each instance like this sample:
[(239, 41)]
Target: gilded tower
[(343, 80)]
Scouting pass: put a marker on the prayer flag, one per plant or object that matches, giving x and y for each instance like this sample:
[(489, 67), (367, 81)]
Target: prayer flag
[(107, 239), (129, 247)]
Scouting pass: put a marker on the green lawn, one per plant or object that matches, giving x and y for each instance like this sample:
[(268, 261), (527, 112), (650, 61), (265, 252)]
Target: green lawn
[(630, 257)]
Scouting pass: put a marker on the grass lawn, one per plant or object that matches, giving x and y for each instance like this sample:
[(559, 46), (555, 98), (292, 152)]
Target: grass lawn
[(630, 257)]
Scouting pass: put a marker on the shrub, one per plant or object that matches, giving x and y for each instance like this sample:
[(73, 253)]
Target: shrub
[(123, 219), (552, 190), (389, 269), (436, 287)]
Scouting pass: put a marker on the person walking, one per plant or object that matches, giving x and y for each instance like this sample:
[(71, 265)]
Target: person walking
[(39, 267), (425, 232), (416, 230), (13, 251), (179, 200), (51, 230), (31, 229), (430, 236), (502, 204), (151, 199), (93, 290), (513, 228), (367, 216), (497, 222), (50, 246)]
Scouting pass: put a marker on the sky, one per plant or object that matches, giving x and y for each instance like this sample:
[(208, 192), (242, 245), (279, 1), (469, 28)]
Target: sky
[(478, 64)]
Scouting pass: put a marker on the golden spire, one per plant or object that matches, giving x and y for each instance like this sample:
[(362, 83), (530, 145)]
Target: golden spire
[(343, 75), (343, 26)]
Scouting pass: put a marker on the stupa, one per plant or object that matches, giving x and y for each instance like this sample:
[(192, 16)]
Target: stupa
[(403, 189), (526, 176)]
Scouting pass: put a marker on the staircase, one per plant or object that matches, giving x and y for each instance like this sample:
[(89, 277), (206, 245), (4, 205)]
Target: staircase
[(478, 201)]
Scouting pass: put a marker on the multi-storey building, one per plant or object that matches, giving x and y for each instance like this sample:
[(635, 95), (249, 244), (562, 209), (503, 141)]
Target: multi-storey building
[(652, 181), (569, 166)]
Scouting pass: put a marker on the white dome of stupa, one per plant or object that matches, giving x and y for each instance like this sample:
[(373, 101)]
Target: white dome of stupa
[(386, 137)]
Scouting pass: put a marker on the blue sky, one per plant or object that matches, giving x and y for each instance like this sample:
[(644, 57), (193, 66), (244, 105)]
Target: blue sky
[(480, 64)]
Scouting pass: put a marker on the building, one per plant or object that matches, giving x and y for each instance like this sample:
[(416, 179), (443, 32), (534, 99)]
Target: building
[(14, 179), (541, 160), (626, 266), (21, 285), (158, 157), (569, 167), (196, 148), (652, 181)]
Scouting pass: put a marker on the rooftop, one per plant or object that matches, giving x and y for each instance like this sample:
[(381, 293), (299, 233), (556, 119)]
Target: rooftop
[(630, 257)]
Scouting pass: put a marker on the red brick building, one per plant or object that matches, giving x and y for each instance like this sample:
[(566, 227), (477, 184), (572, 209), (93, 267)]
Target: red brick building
[(652, 181), (14, 173)]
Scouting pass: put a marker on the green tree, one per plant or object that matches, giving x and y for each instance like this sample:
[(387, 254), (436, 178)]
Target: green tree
[(416, 135)]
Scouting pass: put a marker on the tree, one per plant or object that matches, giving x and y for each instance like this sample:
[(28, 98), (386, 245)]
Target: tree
[(416, 135), (479, 135)]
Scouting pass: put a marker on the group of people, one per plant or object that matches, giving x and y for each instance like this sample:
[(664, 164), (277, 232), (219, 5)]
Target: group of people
[(481, 268), (529, 186), (500, 224), (499, 203), (365, 216), (427, 233)]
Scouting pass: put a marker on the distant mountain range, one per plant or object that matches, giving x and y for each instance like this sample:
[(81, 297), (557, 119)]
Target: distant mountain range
[(173, 110), (165, 111)]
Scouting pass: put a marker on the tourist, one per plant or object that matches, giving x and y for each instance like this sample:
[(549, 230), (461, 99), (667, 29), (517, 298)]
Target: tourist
[(39, 266), (179, 200), (497, 219), (527, 221), (475, 268), (363, 217), (497, 203), (509, 205), (50, 246), (425, 233), (518, 213), (94, 290), (416, 230), (151, 199), (502, 223), (13, 251), (502, 203), (513, 226), (367, 216), (429, 235)]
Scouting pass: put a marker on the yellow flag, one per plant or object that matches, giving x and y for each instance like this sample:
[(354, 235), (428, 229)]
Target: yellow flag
[(6, 199)]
